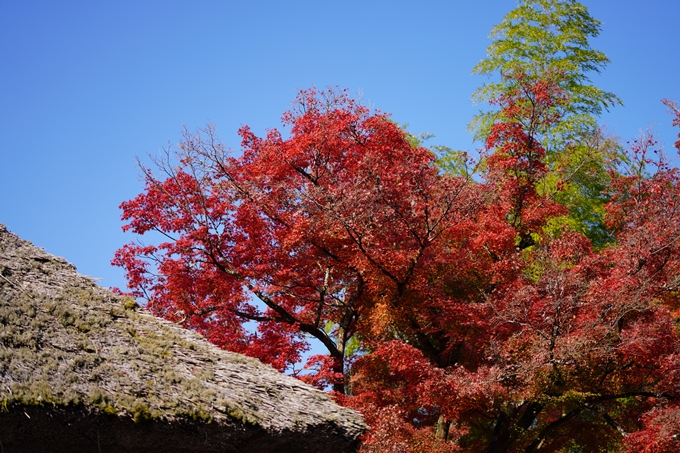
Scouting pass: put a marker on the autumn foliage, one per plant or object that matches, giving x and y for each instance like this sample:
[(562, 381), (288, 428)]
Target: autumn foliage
[(318, 234), (458, 313)]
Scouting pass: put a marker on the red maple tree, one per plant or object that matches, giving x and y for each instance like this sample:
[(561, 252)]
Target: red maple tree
[(315, 234), (480, 326), (556, 346)]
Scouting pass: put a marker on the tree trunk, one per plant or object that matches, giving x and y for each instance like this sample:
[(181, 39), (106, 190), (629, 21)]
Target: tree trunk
[(500, 440), (517, 422), (339, 366), (442, 428)]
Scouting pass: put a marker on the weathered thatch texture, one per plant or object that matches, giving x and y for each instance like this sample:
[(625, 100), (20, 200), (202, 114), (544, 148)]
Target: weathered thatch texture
[(82, 369)]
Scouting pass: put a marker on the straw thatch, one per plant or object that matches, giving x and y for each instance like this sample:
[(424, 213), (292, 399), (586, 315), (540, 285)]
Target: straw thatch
[(82, 369)]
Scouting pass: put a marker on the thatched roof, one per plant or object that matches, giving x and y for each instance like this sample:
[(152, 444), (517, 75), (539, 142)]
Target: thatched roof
[(82, 369)]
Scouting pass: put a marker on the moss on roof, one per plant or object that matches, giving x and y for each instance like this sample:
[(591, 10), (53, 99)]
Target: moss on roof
[(76, 351)]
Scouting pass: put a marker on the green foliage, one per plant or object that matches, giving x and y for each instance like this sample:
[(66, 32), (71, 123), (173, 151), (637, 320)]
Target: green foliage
[(579, 179), (454, 162), (539, 37), (353, 346), (549, 39)]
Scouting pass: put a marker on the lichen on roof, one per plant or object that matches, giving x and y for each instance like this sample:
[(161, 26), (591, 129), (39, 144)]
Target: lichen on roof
[(66, 343)]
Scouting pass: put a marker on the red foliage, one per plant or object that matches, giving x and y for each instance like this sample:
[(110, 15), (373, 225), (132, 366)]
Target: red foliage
[(322, 229), (480, 330), (568, 347), (661, 433)]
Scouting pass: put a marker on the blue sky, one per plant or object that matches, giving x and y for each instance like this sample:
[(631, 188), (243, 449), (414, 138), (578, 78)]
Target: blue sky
[(87, 86)]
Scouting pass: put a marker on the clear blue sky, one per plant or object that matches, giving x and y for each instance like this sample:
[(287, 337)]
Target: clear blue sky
[(87, 86)]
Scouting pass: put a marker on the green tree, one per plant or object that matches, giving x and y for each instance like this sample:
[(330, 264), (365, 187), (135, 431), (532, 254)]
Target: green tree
[(541, 37), (549, 40)]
